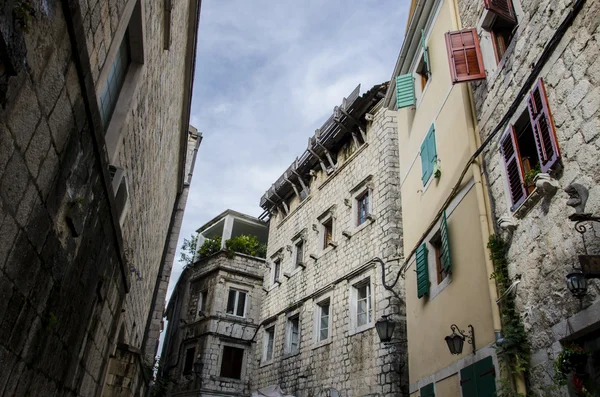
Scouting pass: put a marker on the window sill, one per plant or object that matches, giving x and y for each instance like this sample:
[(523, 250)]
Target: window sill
[(322, 343), (298, 269), (361, 329), (327, 250), (233, 316), (266, 363), (290, 355), (435, 291), (225, 379), (273, 286)]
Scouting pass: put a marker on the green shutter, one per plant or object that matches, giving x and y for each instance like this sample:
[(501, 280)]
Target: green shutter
[(428, 155), (467, 382), (427, 391), (422, 271), (446, 259), (405, 91), (425, 51), (485, 377)]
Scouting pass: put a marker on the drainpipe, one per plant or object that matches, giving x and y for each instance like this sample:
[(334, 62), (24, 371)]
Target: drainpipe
[(484, 208)]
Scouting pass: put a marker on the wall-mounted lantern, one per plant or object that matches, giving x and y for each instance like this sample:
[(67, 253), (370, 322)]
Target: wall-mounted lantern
[(456, 340), (385, 328), (577, 284)]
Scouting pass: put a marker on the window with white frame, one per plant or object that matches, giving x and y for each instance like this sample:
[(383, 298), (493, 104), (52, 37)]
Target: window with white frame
[(268, 344), (232, 359), (292, 335), (236, 303), (115, 80), (276, 270), (200, 304), (299, 251), (361, 305), (362, 207), (323, 320), (327, 228)]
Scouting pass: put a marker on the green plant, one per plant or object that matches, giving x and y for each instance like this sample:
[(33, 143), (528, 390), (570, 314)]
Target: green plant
[(261, 252), (188, 250), (209, 247), (243, 244), (23, 11), (530, 175), (506, 389), (515, 347), (572, 359)]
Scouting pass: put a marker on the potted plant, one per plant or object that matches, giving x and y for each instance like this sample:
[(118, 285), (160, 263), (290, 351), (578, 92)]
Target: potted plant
[(572, 360), (529, 176)]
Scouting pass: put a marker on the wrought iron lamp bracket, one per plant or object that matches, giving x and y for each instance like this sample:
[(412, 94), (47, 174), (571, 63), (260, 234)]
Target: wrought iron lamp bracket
[(470, 337)]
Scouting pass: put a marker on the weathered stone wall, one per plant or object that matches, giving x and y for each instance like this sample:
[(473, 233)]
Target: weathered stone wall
[(63, 275), (357, 364), (544, 245), (209, 331)]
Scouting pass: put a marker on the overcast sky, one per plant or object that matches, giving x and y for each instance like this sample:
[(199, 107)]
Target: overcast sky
[(268, 73)]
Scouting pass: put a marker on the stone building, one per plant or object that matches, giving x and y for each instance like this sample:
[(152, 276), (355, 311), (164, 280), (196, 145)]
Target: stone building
[(538, 116), (334, 210), (445, 210), (94, 140), (214, 314)]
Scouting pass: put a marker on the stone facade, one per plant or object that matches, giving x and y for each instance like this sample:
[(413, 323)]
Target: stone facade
[(202, 326), (543, 244), (351, 359), (67, 247)]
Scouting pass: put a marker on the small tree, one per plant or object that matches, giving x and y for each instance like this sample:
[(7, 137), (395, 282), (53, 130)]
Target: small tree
[(188, 250), (209, 247)]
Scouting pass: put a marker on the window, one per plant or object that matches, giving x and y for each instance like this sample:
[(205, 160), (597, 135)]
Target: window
[(436, 243), (292, 335), (423, 66), (428, 156), (464, 56), (120, 191), (363, 304), (327, 232), (115, 80), (236, 303), (529, 146), (427, 391), (276, 270), (479, 379), (188, 363), (500, 20), (200, 305), (300, 253), (268, 342), (362, 202), (231, 362), (323, 320)]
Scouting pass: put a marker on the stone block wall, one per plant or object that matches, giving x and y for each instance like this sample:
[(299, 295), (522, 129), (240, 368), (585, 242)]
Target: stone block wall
[(544, 246), (352, 364)]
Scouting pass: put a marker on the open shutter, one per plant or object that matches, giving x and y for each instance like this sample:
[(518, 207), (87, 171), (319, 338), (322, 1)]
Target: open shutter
[(543, 127), (428, 155), (405, 91), (422, 271), (468, 383), (514, 168), (425, 52), (485, 377), (446, 261), (427, 391), (503, 8), (431, 150), (464, 55)]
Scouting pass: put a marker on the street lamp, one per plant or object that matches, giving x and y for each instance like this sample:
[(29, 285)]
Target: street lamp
[(577, 284), (385, 328), (456, 340)]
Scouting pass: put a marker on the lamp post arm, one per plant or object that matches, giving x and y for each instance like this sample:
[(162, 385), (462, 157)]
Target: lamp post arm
[(388, 287)]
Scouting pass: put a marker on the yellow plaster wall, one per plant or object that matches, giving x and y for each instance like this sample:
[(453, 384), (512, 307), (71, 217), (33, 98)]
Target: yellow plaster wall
[(449, 387)]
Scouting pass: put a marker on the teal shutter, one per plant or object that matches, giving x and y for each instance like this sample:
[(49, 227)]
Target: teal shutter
[(427, 391), (425, 51), (485, 377), (405, 91), (428, 155), (468, 384), (446, 259), (422, 271)]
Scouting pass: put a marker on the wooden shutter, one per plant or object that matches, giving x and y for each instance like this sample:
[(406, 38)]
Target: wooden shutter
[(405, 91), (543, 127), (502, 8), (425, 52), (464, 55), (468, 382), (446, 261), (513, 166), (485, 377), (428, 155), (422, 271), (427, 391)]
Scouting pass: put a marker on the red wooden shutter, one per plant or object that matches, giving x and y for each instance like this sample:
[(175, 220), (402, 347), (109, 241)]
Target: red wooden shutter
[(514, 168), (502, 8), (464, 56), (543, 127)]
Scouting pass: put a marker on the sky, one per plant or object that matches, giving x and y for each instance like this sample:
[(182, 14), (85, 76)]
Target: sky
[(268, 73)]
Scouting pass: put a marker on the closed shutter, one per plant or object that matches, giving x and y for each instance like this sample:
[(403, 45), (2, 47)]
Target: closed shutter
[(425, 52), (543, 127), (428, 155), (446, 260), (427, 391), (422, 271), (464, 56), (503, 8), (468, 384), (485, 377), (513, 166), (405, 91)]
